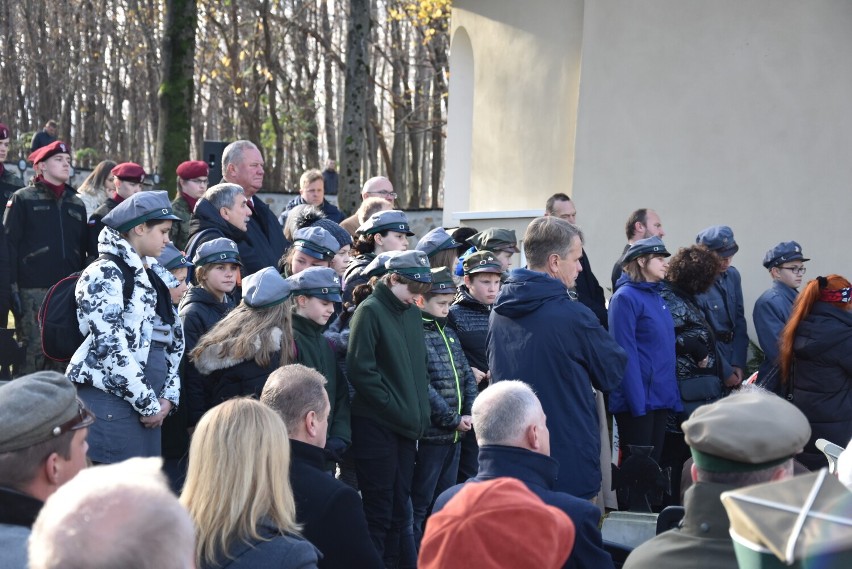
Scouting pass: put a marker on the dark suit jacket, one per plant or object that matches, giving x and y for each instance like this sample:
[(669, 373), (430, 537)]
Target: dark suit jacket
[(589, 291)]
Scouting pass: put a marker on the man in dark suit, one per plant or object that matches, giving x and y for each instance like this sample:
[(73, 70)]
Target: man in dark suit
[(329, 510), (514, 442)]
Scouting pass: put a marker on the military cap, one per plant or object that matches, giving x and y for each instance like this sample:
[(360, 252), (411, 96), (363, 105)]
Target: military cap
[(192, 169), (139, 208), (649, 246), (411, 264), (265, 288), (720, 239), (129, 172), (320, 282), (376, 267), (39, 407), (172, 258), (436, 240), (746, 431), (45, 152), (4, 131), (219, 250), (387, 220), (495, 239), (316, 242), (782, 253), (482, 262), (341, 235), (442, 282)]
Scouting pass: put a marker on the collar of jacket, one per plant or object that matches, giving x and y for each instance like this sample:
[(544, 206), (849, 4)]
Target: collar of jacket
[(525, 465), (464, 298), (306, 325), (705, 516), (432, 319), (389, 299), (785, 291), (308, 454), (18, 509)]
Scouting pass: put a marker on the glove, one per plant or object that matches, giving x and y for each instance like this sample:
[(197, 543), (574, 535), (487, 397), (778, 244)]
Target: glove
[(17, 306), (335, 447)]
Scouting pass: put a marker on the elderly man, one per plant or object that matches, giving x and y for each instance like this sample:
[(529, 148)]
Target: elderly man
[(312, 192), (747, 438), (540, 334), (242, 164), (641, 224), (377, 187), (43, 430), (329, 510), (119, 515), (514, 441), (223, 211)]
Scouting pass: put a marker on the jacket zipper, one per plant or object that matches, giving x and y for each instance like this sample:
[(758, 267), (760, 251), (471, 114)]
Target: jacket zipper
[(455, 374)]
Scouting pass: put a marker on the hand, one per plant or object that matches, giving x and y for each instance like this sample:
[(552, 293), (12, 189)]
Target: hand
[(705, 362), (156, 420), (480, 376), (733, 381), (739, 372), (465, 423)]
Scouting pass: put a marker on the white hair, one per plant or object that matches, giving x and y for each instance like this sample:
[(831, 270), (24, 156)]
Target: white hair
[(502, 413)]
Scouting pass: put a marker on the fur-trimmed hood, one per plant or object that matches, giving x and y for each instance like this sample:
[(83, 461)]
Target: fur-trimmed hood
[(210, 359)]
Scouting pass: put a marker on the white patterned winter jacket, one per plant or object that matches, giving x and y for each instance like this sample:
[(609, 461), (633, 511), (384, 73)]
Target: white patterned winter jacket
[(115, 350)]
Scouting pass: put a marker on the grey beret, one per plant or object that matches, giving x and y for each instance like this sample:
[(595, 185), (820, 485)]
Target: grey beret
[(783, 253), (648, 246), (321, 282), (171, 258), (39, 407), (495, 239), (387, 220), (316, 242), (442, 282), (482, 262), (411, 264), (376, 267), (720, 239), (436, 240), (139, 208), (265, 288), (220, 250)]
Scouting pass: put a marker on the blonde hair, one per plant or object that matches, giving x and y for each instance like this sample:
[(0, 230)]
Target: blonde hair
[(238, 476), (235, 335), (309, 177)]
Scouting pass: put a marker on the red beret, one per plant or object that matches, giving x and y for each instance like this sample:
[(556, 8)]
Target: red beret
[(192, 169), (4, 131), (45, 152), (129, 172)]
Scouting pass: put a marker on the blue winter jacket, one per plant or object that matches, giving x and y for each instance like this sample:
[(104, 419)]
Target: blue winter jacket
[(539, 335), (641, 323)]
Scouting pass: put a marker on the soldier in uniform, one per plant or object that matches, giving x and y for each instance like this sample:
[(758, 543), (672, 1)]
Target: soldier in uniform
[(786, 265), (192, 183), (9, 182), (722, 305), (47, 240), (747, 438), (127, 178)]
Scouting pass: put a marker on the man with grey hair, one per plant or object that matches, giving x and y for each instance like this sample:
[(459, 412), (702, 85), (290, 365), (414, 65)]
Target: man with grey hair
[(118, 515), (222, 212), (242, 164), (514, 441), (329, 510), (538, 333)]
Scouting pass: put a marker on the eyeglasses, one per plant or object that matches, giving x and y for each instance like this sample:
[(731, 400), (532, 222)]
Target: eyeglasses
[(202, 181), (796, 270), (384, 194), (81, 420)]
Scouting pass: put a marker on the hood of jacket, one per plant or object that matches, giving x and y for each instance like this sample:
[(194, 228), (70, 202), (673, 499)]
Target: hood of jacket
[(199, 295), (211, 359), (206, 216), (824, 329), (526, 291)]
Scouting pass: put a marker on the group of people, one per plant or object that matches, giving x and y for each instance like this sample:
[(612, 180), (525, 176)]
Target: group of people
[(405, 372)]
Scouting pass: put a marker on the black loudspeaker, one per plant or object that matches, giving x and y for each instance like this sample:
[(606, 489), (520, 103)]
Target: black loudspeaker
[(213, 156)]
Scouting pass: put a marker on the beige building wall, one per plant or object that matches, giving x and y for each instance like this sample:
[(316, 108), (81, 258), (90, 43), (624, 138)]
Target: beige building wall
[(734, 112)]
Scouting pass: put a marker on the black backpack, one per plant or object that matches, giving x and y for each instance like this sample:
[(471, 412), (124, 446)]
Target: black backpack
[(57, 317)]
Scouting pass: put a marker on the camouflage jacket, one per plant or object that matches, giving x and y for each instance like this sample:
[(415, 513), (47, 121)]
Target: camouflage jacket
[(179, 233)]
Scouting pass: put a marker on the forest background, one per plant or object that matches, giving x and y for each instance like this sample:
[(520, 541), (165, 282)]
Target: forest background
[(362, 82)]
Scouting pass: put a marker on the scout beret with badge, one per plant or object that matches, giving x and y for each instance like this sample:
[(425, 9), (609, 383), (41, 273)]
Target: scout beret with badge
[(316, 242), (495, 239), (265, 288), (387, 220), (376, 267), (482, 262), (219, 250), (648, 246), (411, 264), (192, 169), (442, 282), (319, 282), (720, 239), (45, 152), (37, 408), (436, 240), (139, 208), (172, 258), (129, 172), (782, 253)]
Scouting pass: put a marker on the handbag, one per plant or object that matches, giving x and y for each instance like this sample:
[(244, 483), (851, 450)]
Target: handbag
[(698, 390)]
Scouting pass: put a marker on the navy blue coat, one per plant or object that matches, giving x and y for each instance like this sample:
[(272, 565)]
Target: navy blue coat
[(723, 308), (771, 311), (329, 209), (273, 551), (539, 473), (539, 335), (641, 323)]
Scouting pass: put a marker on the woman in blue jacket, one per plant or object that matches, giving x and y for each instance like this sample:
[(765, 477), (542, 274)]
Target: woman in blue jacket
[(640, 322)]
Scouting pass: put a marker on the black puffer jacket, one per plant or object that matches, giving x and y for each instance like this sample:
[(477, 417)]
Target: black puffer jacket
[(469, 318), (822, 384), (692, 333), (199, 312), (452, 387), (353, 275)]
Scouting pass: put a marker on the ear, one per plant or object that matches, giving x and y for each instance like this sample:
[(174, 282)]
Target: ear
[(553, 263), (533, 438), (694, 472), (53, 469), (378, 239), (311, 423)]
